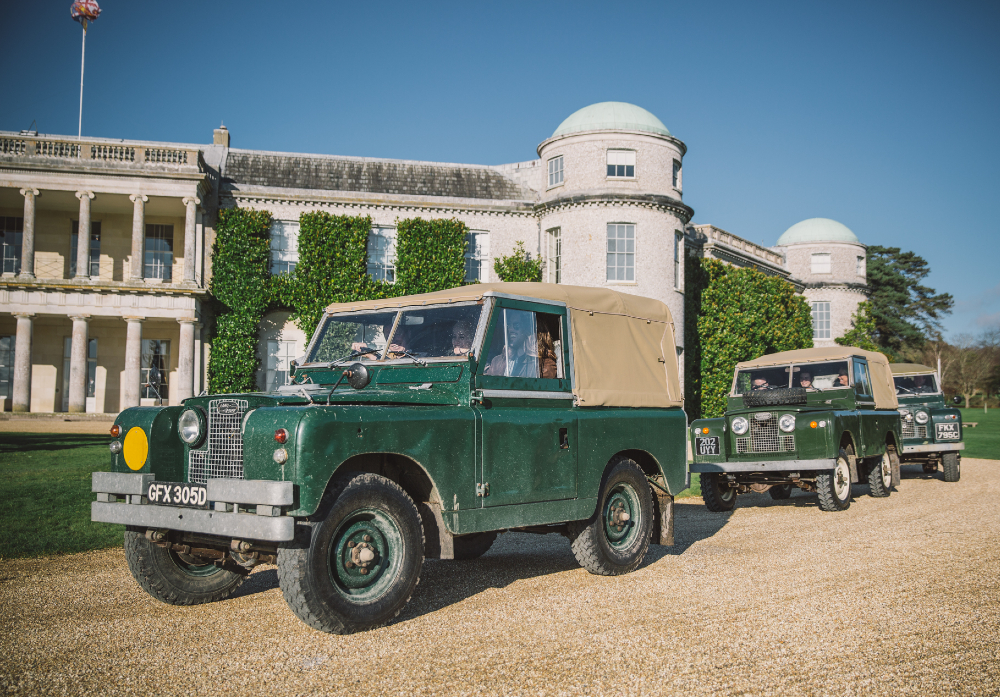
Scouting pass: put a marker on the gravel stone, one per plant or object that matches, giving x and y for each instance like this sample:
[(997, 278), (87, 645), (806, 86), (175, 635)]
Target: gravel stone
[(893, 596)]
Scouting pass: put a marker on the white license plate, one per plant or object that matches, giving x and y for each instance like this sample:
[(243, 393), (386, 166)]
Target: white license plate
[(948, 432), (177, 494), (707, 446)]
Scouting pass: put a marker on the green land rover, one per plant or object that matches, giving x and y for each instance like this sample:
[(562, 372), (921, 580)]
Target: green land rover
[(818, 419), (932, 431), (414, 427)]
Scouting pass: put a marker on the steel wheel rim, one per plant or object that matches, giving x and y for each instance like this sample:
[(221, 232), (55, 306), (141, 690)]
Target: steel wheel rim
[(842, 480), (726, 493), (370, 529), (191, 569), (886, 471), (621, 499)]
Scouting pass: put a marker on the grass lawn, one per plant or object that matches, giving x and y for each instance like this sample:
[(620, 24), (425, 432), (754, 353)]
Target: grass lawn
[(984, 439), (45, 499)]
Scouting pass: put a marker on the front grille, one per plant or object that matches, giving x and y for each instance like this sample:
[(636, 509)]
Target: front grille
[(223, 458), (914, 430), (765, 437)]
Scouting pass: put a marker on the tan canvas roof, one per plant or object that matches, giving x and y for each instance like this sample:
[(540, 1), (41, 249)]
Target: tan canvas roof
[(911, 369), (623, 345), (881, 375)]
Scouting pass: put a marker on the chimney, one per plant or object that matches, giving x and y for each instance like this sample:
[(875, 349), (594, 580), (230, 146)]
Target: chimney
[(221, 136)]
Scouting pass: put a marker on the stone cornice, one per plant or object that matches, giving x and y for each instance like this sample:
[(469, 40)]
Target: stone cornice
[(123, 287), (861, 288), (610, 134), (655, 201), (277, 196)]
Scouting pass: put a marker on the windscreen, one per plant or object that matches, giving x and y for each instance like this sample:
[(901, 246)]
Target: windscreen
[(342, 335), (811, 376), (435, 332), (916, 384)]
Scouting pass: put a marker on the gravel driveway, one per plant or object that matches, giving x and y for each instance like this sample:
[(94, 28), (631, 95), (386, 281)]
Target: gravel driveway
[(893, 596)]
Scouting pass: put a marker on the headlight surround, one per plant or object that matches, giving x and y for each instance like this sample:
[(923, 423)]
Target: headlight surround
[(922, 417), (787, 423), (740, 425), (191, 427)]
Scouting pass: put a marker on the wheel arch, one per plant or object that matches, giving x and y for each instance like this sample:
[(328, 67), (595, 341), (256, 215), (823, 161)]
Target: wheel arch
[(409, 474), (647, 463)]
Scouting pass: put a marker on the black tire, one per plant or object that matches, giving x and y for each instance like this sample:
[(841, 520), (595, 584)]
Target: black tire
[(834, 486), (718, 497), (951, 463), (930, 468), (880, 475), (780, 492), (776, 397), (173, 578), (469, 547), (325, 578), (608, 544)]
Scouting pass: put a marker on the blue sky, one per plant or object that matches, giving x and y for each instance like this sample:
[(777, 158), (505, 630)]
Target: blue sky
[(880, 115)]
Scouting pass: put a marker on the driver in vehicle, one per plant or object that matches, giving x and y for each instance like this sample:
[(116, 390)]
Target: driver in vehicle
[(760, 384), (805, 380), (920, 385), (461, 338)]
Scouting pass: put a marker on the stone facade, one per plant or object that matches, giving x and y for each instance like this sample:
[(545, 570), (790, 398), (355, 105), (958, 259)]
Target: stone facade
[(601, 179)]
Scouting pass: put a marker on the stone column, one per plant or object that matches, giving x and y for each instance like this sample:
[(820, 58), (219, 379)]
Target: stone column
[(78, 365), (22, 363), (190, 233), (83, 239), (132, 379), (185, 360), (28, 237), (138, 236)]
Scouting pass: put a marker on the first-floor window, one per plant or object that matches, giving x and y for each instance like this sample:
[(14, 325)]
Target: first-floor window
[(95, 249), (556, 171), (7, 366), (11, 230), (621, 252), (677, 174), (284, 246), (382, 254), (477, 254), (159, 261), (553, 266), (279, 357), (821, 263), (155, 368), (621, 163), (821, 320)]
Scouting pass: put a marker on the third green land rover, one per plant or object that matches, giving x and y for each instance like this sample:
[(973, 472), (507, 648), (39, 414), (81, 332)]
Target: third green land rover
[(932, 431), (818, 419)]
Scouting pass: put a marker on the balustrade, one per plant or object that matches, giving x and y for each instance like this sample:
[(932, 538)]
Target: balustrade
[(31, 146)]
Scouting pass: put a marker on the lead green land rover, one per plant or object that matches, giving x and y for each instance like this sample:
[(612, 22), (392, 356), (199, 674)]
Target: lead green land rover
[(414, 427), (818, 419), (932, 431)]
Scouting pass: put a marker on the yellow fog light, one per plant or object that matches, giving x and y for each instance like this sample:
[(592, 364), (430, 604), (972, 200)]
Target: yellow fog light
[(136, 448)]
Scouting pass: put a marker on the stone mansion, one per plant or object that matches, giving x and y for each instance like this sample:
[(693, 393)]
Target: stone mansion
[(106, 244)]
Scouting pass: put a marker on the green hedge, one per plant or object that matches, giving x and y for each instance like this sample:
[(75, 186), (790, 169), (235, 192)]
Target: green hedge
[(519, 266), (739, 314), (332, 267)]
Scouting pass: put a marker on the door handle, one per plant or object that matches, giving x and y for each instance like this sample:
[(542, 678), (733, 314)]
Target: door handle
[(564, 439)]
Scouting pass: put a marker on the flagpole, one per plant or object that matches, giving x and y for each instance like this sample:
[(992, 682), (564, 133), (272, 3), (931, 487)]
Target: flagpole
[(83, 53)]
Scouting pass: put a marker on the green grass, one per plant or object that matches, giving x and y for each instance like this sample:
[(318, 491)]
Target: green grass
[(984, 439), (45, 494)]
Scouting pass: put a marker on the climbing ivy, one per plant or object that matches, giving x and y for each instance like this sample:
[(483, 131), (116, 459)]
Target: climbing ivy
[(739, 314), (430, 254), (519, 266)]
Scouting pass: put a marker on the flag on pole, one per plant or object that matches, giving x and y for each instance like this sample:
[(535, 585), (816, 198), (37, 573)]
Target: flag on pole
[(84, 11)]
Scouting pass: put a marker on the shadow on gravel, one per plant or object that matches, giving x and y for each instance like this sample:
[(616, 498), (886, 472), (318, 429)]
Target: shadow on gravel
[(917, 472)]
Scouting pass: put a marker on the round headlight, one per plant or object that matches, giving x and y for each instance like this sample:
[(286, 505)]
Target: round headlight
[(787, 423), (190, 426), (740, 425), (922, 417)]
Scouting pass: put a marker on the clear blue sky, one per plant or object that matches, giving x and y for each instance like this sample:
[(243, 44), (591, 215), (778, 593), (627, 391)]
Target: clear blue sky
[(883, 116)]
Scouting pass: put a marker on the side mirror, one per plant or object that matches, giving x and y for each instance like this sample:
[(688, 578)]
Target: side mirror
[(956, 400), (358, 376)]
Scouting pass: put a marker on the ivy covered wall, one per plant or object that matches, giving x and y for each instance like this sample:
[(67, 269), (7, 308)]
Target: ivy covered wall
[(734, 314)]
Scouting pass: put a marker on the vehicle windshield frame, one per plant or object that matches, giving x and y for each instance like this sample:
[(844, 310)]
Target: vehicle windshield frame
[(382, 359), (937, 385), (790, 369)]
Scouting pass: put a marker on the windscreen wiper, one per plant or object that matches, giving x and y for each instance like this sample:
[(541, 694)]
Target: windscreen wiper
[(352, 354), (407, 354)]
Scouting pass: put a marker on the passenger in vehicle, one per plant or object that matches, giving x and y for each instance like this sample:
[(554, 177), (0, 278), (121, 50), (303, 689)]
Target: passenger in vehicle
[(760, 384), (517, 358), (547, 363), (461, 338), (805, 380), (842, 379)]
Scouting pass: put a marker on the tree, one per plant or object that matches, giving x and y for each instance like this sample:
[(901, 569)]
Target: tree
[(519, 266), (972, 368), (862, 330), (905, 311)]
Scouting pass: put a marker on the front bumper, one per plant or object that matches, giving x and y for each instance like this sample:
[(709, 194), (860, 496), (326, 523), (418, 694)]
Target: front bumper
[(932, 448), (774, 466), (121, 500)]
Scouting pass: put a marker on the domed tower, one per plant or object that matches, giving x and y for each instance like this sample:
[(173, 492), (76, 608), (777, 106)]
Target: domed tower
[(831, 261), (611, 210)]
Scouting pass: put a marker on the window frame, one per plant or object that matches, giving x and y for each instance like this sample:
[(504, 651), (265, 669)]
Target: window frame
[(288, 250), (560, 171), (553, 257), (829, 317), (94, 254), (625, 176), (482, 260), (167, 270), (678, 261), (382, 268), (676, 175), (165, 372), (626, 280), (11, 251), (829, 262)]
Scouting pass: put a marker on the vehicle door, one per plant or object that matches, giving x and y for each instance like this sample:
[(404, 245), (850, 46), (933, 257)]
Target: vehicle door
[(527, 423), (870, 435)]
